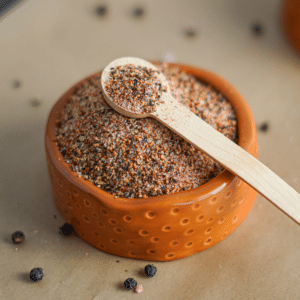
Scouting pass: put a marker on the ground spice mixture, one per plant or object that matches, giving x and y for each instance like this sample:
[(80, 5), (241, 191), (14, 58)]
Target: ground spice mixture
[(134, 88), (135, 158)]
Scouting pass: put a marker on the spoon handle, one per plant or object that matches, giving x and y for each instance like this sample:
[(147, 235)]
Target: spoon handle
[(231, 156)]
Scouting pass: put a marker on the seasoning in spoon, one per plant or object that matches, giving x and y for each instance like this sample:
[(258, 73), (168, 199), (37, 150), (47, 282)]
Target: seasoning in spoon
[(134, 88)]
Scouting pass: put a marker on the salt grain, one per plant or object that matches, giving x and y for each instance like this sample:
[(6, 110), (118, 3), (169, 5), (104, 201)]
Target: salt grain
[(138, 289)]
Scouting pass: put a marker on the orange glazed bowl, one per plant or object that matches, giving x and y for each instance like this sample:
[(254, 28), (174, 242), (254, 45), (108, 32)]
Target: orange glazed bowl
[(159, 228)]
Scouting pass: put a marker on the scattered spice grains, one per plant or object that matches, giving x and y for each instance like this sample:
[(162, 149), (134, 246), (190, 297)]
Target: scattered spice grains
[(138, 12), (264, 127), (101, 10), (130, 283), (18, 237), (138, 289), (150, 270), (257, 29), (16, 84), (34, 102), (134, 88), (66, 230), (36, 274), (140, 158), (190, 31)]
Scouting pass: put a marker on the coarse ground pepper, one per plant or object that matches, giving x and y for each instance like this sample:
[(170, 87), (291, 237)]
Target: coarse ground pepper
[(140, 158), (134, 88)]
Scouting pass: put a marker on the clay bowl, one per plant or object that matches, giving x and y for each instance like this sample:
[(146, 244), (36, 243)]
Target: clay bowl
[(291, 22), (160, 228)]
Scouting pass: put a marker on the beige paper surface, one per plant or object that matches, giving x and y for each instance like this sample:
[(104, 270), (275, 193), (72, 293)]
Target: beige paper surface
[(49, 45)]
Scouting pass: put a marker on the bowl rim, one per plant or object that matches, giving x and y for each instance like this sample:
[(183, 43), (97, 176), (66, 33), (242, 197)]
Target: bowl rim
[(246, 139)]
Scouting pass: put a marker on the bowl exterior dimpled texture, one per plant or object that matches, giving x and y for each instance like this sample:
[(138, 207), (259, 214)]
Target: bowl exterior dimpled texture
[(160, 228)]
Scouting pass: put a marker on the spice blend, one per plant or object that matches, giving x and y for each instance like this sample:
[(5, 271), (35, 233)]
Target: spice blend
[(140, 158), (134, 88)]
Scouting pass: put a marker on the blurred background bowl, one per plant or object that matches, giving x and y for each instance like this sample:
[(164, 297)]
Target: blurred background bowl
[(291, 22)]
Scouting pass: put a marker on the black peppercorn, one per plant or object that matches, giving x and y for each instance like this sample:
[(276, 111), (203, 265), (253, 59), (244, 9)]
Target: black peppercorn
[(36, 274), (66, 230), (34, 102), (150, 270), (16, 84), (138, 12), (264, 127), (130, 283), (18, 237), (190, 31), (257, 29), (101, 10)]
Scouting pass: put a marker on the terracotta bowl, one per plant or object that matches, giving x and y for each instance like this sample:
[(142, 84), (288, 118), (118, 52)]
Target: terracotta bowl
[(160, 228), (291, 22)]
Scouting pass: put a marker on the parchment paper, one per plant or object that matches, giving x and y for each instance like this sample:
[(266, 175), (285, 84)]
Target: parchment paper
[(48, 46)]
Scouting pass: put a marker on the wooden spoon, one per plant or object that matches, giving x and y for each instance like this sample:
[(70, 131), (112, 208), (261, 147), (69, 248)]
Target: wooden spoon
[(197, 132)]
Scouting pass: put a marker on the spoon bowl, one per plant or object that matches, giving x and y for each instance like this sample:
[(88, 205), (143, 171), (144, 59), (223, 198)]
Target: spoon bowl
[(105, 76)]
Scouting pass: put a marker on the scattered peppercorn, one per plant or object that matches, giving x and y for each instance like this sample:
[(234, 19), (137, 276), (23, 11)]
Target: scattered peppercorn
[(130, 283), (66, 230), (138, 289), (16, 84), (190, 31), (117, 261), (150, 270), (138, 12), (36, 274), (264, 127), (18, 237), (257, 29), (101, 10), (34, 102)]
